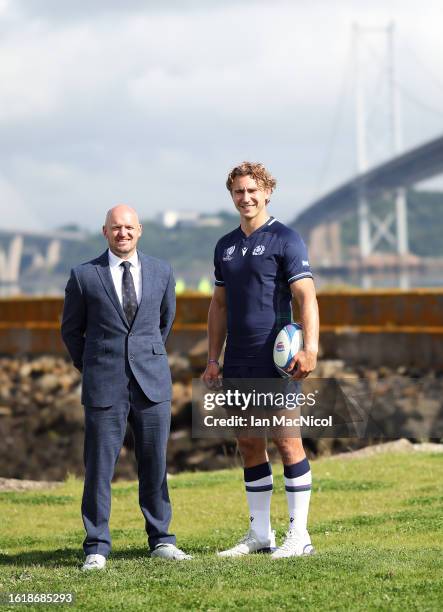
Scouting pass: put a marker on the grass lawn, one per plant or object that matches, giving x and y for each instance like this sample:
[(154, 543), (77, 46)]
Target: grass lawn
[(376, 522)]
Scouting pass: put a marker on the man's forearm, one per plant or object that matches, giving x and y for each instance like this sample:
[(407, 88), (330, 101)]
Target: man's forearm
[(216, 330), (310, 322)]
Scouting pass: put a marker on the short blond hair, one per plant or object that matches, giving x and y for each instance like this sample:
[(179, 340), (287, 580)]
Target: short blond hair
[(258, 172)]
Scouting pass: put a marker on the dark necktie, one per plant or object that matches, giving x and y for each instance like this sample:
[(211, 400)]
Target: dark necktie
[(128, 293)]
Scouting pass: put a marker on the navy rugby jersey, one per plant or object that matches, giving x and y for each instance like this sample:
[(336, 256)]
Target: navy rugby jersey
[(256, 271)]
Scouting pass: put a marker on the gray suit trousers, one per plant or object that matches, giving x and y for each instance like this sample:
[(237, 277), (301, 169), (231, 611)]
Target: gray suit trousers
[(105, 429)]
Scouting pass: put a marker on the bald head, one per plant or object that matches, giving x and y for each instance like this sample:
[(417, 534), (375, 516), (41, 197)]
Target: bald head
[(122, 230), (120, 209)]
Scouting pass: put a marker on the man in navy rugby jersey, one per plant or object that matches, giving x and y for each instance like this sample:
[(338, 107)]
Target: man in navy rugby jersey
[(259, 268)]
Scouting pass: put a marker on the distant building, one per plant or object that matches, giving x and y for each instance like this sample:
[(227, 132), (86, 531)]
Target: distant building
[(187, 218)]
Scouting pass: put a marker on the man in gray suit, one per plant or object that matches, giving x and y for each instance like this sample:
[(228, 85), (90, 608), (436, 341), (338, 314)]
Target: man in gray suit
[(118, 312)]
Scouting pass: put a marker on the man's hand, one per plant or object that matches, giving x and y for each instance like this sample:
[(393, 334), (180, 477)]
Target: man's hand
[(302, 364), (211, 376)]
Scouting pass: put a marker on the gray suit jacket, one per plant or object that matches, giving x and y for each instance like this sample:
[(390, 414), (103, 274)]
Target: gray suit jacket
[(101, 343)]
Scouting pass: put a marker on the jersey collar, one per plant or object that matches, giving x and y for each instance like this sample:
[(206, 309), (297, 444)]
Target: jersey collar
[(259, 229)]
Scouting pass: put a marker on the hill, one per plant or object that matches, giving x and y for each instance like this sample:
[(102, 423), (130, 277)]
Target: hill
[(190, 250)]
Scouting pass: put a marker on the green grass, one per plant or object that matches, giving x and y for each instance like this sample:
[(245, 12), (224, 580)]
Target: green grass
[(376, 522)]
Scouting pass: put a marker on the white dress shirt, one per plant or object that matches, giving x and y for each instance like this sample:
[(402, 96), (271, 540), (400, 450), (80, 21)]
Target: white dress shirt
[(117, 274)]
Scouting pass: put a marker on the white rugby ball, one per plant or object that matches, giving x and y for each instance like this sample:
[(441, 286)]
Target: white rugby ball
[(287, 344)]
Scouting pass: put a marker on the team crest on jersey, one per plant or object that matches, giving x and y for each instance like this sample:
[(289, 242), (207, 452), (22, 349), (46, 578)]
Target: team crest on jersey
[(259, 250), (227, 253)]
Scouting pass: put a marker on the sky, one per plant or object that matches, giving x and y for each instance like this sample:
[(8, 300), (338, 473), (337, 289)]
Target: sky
[(152, 103)]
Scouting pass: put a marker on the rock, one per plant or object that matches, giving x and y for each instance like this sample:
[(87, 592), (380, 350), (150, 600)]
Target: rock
[(348, 377), (42, 419), (383, 372), (325, 446), (180, 368), (181, 395), (328, 368), (66, 381), (74, 414), (198, 355), (25, 370), (40, 398), (5, 391), (48, 383)]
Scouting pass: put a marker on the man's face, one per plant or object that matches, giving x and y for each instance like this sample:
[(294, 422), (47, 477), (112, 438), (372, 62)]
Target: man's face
[(122, 231), (249, 198)]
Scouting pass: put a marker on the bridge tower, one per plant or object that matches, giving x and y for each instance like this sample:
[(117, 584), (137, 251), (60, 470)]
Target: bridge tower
[(393, 227), (10, 260)]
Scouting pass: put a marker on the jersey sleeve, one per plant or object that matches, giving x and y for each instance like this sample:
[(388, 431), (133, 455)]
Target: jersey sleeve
[(295, 259), (219, 280)]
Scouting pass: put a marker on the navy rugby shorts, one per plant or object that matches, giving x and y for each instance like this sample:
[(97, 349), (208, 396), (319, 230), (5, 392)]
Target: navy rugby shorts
[(250, 371)]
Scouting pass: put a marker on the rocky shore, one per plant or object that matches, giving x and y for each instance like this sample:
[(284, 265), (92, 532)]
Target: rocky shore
[(41, 417)]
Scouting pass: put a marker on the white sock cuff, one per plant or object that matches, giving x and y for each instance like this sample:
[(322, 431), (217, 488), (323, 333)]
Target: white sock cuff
[(293, 484), (262, 484)]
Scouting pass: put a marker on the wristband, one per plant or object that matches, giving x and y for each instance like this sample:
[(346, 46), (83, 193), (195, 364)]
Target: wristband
[(213, 361)]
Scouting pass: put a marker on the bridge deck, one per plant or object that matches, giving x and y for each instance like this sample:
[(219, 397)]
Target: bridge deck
[(416, 165)]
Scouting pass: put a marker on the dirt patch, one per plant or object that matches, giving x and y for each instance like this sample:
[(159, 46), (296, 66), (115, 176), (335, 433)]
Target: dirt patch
[(398, 446), (13, 484)]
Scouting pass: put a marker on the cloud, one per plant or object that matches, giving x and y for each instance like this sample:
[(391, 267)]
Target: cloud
[(14, 214), (152, 103), (86, 10)]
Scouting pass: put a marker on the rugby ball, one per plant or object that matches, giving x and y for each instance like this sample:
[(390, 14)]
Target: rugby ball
[(287, 344)]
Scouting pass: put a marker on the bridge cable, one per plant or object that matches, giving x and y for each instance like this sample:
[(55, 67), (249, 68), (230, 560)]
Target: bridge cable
[(378, 91), (420, 62), (419, 103), (412, 98), (337, 118)]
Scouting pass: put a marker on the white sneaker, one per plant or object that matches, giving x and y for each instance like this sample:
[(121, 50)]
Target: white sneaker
[(169, 551), (294, 546), (94, 562), (250, 544)]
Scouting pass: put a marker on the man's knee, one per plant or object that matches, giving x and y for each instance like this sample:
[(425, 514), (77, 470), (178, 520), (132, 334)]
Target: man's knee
[(252, 450), (291, 449)]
